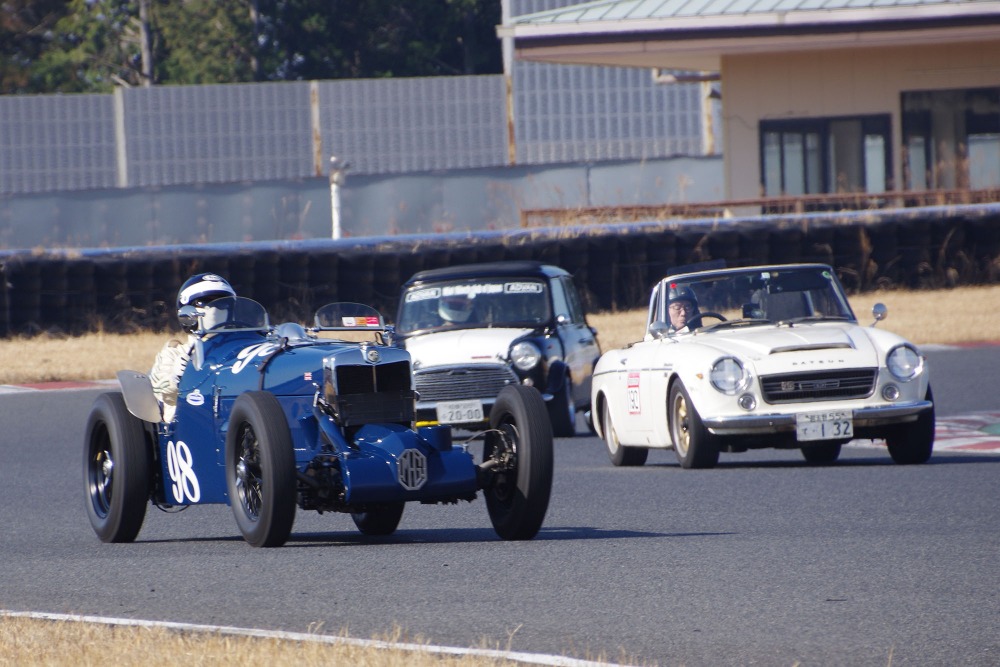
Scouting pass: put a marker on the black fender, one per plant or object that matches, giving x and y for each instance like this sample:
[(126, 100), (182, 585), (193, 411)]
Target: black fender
[(556, 379)]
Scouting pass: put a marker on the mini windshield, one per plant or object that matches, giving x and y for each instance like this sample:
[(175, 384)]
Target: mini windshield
[(474, 303), (761, 296)]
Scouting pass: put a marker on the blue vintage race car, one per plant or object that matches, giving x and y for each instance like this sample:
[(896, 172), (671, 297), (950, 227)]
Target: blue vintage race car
[(273, 417)]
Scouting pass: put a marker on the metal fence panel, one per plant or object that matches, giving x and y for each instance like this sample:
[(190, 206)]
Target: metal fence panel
[(567, 113), (415, 124), (218, 133), (56, 142)]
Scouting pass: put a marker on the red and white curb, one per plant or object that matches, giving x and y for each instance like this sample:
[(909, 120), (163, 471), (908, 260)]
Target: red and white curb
[(976, 432), (492, 654)]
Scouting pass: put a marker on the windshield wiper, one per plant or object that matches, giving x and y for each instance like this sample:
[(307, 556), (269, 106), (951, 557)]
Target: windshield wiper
[(814, 318), (730, 324)]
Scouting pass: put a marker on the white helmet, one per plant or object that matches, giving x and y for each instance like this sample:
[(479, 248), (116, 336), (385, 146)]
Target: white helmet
[(200, 290), (455, 308)]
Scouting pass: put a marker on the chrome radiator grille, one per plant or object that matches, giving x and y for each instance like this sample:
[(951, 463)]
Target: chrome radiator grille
[(456, 384), (818, 386)]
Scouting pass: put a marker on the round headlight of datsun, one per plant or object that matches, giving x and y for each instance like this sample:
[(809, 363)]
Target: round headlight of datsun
[(729, 376), (525, 356), (904, 362)]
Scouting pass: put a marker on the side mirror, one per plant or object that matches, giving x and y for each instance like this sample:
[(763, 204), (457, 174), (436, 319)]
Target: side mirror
[(188, 317), (659, 329), (879, 312)]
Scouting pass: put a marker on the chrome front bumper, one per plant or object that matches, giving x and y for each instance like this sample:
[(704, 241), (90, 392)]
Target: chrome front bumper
[(875, 416)]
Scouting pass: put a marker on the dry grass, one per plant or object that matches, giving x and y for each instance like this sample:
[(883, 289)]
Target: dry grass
[(26, 641), (960, 315)]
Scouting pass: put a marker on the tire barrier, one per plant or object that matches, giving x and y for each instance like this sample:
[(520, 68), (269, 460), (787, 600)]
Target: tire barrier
[(613, 265)]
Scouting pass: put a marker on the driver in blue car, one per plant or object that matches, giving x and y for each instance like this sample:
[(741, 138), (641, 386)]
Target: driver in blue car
[(682, 306), (199, 290)]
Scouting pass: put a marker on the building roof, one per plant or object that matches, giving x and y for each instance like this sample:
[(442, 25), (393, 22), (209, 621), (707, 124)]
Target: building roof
[(695, 34)]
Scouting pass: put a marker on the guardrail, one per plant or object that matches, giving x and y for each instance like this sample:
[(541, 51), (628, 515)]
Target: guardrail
[(613, 264)]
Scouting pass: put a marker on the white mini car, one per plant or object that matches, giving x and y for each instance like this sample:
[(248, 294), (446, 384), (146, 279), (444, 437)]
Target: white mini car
[(766, 356), (474, 329)]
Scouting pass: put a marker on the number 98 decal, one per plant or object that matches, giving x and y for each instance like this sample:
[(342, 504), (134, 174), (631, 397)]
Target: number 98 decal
[(181, 469)]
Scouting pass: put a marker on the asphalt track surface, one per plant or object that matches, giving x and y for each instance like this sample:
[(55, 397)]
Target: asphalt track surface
[(761, 561)]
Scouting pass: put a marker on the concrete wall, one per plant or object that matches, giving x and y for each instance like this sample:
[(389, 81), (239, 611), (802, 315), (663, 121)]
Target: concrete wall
[(444, 201), (843, 82)]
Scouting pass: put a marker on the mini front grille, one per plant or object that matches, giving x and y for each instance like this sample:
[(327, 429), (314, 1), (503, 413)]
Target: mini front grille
[(457, 384), (818, 386)]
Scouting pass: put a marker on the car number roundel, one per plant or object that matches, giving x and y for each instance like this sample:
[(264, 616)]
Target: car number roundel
[(632, 394)]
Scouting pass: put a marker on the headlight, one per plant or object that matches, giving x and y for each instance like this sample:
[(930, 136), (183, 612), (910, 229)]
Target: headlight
[(525, 356), (729, 376), (904, 362)]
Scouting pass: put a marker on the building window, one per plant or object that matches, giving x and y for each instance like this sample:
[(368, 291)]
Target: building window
[(951, 139), (825, 156)]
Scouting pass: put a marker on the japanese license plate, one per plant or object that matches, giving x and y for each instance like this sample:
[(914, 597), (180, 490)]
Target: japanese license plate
[(459, 412), (833, 425)]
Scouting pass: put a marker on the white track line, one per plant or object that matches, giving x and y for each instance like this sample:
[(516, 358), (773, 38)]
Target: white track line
[(531, 658)]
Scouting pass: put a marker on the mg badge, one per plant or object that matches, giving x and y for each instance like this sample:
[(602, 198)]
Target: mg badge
[(412, 466)]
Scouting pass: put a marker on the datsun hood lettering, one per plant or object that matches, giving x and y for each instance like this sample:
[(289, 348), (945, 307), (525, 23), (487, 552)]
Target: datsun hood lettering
[(466, 346), (803, 347)]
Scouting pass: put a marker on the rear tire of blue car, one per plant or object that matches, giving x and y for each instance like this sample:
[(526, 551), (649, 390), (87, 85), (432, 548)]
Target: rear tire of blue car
[(260, 469), (914, 442), (694, 446), (116, 470), (382, 519), (519, 445)]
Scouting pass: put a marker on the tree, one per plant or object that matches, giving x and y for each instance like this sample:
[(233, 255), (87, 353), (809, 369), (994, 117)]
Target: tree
[(95, 45), (93, 48), (303, 39), (206, 41), (25, 27)]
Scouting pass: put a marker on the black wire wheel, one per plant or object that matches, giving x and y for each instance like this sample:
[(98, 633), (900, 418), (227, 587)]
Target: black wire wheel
[(260, 469), (117, 463), (518, 450)]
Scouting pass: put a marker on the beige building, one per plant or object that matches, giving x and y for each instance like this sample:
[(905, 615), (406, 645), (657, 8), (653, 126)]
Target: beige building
[(818, 96)]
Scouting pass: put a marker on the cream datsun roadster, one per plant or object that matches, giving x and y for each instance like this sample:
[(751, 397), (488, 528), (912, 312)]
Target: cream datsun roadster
[(769, 356)]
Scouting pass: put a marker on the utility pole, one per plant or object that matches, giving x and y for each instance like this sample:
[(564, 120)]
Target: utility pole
[(145, 45)]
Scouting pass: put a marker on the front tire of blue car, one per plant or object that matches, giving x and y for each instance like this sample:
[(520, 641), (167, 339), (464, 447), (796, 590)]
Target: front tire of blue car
[(260, 469), (519, 449), (116, 470)]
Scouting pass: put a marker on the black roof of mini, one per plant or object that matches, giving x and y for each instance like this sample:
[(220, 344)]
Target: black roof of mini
[(488, 270)]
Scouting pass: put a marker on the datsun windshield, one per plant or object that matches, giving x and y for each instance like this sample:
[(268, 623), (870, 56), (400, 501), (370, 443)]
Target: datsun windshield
[(510, 302), (792, 295)]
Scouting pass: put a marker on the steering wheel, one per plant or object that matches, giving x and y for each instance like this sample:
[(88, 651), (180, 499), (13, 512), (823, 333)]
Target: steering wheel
[(707, 313)]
